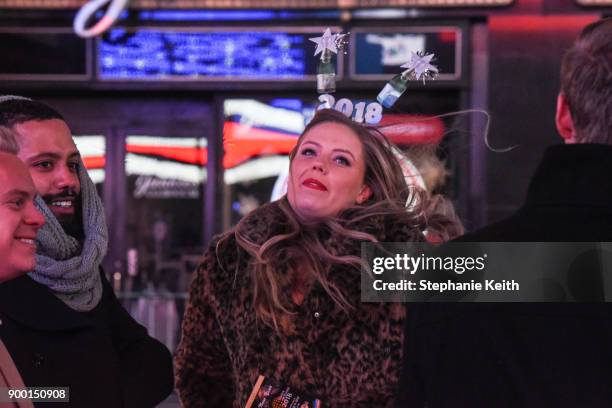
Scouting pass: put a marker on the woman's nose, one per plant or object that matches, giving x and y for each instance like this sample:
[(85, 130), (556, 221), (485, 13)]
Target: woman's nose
[(319, 166)]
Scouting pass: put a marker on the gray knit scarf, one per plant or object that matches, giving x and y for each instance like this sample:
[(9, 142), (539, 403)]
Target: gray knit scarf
[(69, 269)]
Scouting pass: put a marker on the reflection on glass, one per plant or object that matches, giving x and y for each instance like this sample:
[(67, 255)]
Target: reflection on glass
[(93, 153), (166, 178), (257, 139)]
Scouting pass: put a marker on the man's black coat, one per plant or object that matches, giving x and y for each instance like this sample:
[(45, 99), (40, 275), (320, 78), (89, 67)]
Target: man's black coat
[(515, 355), (104, 356)]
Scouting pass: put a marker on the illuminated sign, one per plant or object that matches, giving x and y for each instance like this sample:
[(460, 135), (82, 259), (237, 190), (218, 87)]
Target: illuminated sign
[(198, 55), (431, 3), (377, 53), (93, 153), (266, 4), (595, 3)]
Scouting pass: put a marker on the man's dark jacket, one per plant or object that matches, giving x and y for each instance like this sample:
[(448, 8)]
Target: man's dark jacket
[(524, 355), (104, 356)]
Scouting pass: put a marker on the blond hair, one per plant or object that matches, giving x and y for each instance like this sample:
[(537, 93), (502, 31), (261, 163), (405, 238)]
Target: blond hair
[(299, 246)]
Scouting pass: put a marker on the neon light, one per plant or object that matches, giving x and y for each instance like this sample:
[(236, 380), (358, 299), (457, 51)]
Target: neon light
[(233, 15), (166, 141), (113, 12), (92, 150), (260, 142), (287, 103), (182, 154), (261, 115), (205, 15), (258, 168), (96, 175), (157, 54), (142, 165), (535, 23), (403, 129), (94, 162)]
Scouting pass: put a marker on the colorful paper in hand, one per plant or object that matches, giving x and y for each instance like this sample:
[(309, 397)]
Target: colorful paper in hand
[(266, 394)]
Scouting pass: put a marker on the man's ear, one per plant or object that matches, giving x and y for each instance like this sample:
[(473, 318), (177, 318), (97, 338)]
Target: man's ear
[(364, 194), (564, 121)]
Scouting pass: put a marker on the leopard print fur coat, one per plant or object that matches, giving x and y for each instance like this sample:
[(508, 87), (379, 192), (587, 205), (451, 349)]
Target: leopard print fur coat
[(346, 359)]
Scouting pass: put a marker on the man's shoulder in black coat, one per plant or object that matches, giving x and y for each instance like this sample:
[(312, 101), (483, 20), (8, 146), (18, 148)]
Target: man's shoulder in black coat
[(529, 354), (103, 356)]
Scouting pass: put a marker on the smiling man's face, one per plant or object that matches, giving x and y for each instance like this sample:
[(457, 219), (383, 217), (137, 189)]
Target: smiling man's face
[(19, 218), (47, 149)]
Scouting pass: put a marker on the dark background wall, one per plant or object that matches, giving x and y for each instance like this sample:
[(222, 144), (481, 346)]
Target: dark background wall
[(525, 52)]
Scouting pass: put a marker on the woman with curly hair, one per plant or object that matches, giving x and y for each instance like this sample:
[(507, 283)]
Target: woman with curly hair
[(279, 295)]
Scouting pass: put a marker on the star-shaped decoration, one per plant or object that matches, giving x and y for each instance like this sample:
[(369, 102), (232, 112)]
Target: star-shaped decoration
[(420, 64), (326, 42)]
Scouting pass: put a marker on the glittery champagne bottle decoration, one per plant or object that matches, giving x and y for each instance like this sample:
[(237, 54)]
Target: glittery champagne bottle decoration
[(418, 67), (326, 73), (327, 45), (394, 89)]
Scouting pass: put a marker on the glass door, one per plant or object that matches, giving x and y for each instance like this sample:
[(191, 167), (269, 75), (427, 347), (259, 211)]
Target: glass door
[(161, 210), (149, 158)]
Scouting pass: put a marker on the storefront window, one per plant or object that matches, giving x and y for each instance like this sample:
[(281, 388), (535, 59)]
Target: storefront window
[(166, 178), (257, 139), (93, 154)]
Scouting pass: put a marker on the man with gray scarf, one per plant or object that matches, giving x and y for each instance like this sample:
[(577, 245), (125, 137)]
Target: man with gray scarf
[(61, 322)]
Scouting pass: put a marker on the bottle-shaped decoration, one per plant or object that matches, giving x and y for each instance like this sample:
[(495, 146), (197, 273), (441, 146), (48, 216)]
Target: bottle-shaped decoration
[(393, 89), (326, 73), (418, 67), (328, 45)]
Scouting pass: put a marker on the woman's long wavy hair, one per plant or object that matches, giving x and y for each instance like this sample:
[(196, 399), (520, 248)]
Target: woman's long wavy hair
[(299, 247)]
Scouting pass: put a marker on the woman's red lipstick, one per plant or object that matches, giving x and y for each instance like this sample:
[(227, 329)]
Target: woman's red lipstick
[(314, 184)]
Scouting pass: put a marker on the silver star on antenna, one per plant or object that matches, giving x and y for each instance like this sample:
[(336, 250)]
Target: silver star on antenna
[(327, 41), (420, 64)]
